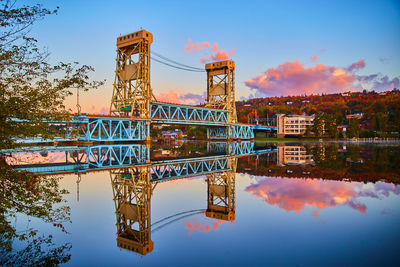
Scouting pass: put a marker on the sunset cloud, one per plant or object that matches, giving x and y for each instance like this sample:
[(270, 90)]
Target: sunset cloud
[(314, 58), (195, 47), (293, 78), (356, 66), (183, 98), (212, 53), (296, 194), (217, 55), (170, 97), (196, 226)]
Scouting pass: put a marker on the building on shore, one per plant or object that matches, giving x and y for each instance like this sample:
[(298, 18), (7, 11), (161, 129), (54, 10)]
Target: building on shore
[(293, 155), (293, 125), (172, 134), (355, 116)]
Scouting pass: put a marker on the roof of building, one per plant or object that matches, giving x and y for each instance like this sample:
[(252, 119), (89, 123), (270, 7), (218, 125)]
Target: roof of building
[(171, 132)]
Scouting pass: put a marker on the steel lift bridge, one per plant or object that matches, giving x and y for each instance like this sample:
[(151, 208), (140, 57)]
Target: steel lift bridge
[(134, 176), (134, 107), (133, 96)]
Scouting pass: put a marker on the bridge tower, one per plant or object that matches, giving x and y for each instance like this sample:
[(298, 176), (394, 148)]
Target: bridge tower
[(221, 87), (132, 92), (221, 193), (132, 194)]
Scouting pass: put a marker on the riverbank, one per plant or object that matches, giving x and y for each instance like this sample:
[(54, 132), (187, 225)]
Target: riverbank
[(353, 140)]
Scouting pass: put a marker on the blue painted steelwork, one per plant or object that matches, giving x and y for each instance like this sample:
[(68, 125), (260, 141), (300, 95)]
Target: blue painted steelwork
[(180, 114), (233, 131), (265, 128), (106, 157), (241, 131), (232, 148), (114, 129), (184, 168), (109, 129)]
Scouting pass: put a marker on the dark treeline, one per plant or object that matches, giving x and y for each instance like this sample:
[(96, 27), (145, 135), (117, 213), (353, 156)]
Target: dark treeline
[(369, 163)]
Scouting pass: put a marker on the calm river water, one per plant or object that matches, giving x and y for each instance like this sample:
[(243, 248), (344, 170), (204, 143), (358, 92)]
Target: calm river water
[(216, 204)]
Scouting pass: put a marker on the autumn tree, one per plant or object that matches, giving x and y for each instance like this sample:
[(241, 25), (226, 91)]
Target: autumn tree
[(354, 128), (32, 92), (318, 126), (330, 125), (380, 121)]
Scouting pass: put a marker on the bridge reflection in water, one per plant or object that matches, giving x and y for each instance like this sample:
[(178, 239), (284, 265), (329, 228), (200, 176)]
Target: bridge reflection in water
[(134, 176), (134, 186), (135, 170)]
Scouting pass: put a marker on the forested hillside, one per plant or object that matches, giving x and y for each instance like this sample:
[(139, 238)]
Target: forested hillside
[(381, 110)]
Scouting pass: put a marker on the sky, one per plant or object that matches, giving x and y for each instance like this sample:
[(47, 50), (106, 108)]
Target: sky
[(279, 47)]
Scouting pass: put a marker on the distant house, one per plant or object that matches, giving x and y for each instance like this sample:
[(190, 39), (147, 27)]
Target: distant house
[(172, 134), (343, 128), (346, 94), (289, 102), (355, 116)]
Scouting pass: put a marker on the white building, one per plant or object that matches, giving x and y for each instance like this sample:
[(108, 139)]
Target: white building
[(293, 125)]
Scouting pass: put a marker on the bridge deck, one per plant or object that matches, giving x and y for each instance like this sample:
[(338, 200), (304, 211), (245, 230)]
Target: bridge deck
[(114, 128)]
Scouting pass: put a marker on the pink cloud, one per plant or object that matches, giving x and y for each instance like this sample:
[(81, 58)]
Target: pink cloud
[(101, 111), (314, 58), (183, 98), (195, 47), (218, 55), (293, 78), (170, 97), (104, 110), (356, 66), (296, 194), (213, 53), (197, 226), (315, 214)]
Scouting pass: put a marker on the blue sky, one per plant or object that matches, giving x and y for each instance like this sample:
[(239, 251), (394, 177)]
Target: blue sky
[(263, 34)]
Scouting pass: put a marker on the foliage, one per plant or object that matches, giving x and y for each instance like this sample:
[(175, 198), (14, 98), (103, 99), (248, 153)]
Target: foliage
[(31, 89), (338, 105), (380, 121), (32, 92), (39, 252), (354, 128), (330, 126), (318, 126), (30, 194)]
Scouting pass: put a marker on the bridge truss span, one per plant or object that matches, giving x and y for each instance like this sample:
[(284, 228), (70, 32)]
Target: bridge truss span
[(181, 114), (188, 167)]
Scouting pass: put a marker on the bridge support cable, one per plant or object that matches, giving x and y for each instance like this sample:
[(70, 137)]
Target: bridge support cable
[(174, 64)]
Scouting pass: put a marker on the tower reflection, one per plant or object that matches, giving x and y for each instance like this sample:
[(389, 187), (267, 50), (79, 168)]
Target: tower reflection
[(132, 190), (133, 187), (221, 193)]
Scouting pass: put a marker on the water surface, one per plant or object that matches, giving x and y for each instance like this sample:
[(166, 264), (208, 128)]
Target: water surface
[(286, 204)]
